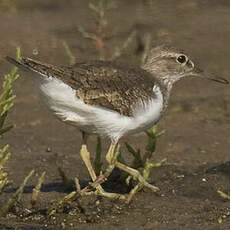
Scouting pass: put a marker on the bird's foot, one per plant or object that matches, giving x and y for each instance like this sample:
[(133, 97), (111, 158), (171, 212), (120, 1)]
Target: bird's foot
[(101, 192), (136, 175)]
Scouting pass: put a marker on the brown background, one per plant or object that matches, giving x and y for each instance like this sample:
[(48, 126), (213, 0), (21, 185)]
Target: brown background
[(197, 122)]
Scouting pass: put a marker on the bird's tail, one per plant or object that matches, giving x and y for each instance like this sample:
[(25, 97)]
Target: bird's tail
[(15, 62), (29, 64)]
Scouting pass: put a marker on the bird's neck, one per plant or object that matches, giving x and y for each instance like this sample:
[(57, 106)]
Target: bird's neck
[(161, 76), (166, 90), (165, 83)]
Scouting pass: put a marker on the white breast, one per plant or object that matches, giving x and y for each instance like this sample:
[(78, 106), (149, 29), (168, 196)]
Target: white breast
[(63, 101)]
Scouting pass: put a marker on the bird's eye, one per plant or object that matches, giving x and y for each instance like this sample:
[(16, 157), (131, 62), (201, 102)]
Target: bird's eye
[(182, 59)]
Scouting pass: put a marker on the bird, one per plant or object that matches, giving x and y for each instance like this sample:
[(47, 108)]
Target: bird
[(112, 99)]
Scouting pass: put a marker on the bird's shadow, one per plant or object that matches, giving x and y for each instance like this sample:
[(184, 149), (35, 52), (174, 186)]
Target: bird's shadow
[(115, 183)]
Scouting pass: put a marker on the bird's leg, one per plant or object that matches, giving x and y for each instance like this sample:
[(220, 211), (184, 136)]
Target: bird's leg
[(110, 157), (97, 181), (85, 155), (113, 148)]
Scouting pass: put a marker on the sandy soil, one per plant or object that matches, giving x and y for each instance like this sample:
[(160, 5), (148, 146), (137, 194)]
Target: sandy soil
[(197, 122)]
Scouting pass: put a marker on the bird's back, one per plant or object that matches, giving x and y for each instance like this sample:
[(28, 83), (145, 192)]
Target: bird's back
[(100, 83)]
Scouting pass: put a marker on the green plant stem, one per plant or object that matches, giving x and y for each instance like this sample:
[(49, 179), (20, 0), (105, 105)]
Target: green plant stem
[(97, 161), (68, 183), (72, 58), (147, 46), (3, 184), (37, 189), (223, 195), (120, 50), (16, 196)]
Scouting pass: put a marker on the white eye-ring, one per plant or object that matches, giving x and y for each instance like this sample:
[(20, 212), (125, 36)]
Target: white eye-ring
[(182, 59)]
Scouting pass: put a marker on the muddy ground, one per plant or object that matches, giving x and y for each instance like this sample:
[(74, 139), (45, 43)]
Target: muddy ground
[(197, 123)]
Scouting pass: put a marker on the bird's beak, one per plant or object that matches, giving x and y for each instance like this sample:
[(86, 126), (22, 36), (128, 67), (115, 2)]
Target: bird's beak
[(200, 73)]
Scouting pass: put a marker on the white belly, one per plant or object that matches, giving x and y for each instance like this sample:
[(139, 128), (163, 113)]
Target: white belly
[(62, 100)]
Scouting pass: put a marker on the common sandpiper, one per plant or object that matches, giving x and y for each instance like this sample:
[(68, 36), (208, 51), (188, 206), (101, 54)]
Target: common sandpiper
[(111, 99)]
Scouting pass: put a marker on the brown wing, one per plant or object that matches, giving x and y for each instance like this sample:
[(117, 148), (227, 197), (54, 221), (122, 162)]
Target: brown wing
[(99, 83), (112, 85)]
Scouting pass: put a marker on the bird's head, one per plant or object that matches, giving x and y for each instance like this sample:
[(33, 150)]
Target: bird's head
[(170, 65)]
